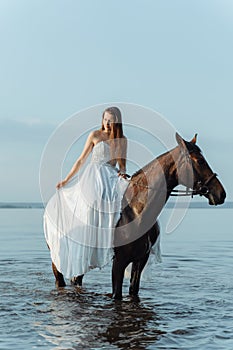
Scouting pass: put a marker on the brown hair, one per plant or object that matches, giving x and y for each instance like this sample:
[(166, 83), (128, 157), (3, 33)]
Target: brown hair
[(116, 128), (116, 134)]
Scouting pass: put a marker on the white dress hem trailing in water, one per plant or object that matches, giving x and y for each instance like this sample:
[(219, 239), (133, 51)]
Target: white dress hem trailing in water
[(79, 219)]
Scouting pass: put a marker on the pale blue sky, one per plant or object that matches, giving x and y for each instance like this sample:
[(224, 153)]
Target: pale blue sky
[(58, 57)]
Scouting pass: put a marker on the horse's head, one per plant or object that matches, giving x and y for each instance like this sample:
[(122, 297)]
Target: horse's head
[(195, 167)]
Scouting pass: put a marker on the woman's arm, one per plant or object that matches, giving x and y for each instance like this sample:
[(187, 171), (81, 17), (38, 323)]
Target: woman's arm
[(80, 161)]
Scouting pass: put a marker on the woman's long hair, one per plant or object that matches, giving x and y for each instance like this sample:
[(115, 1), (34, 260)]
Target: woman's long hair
[(116, 128), (116, 132)]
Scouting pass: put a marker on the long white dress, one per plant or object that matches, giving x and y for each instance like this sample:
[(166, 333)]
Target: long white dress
[(79, 219)]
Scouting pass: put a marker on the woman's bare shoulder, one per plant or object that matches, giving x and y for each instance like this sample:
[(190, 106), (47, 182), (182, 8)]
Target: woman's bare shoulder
[(95, 136), (97, 133)]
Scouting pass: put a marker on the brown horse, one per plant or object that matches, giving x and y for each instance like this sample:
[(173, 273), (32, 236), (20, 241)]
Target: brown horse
[(145, 197)]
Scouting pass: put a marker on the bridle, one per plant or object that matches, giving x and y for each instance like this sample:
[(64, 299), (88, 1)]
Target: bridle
[(201, 189)]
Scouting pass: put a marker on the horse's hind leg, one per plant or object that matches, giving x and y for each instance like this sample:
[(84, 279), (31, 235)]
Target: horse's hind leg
[(136, 271), (60, 282), (77, 281)]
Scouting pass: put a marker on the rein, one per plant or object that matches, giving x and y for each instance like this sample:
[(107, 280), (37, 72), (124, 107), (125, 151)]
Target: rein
[(201, 189)]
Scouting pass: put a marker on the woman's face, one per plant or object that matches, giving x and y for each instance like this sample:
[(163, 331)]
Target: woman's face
[(108, 120)]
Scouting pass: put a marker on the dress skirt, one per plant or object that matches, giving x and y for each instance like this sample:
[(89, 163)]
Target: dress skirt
[(80, 218)]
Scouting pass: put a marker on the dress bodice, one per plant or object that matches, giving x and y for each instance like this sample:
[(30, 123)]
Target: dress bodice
[(101, 153)]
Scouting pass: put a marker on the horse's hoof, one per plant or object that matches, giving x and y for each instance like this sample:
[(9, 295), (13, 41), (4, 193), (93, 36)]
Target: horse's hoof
[(77, 281), (134, 298), (117, 296)]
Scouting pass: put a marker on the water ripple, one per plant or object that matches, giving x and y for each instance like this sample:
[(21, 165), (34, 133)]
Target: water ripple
[(186, 304)]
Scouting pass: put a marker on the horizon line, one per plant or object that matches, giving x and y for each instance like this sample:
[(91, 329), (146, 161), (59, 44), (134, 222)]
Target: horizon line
[(168, 205)]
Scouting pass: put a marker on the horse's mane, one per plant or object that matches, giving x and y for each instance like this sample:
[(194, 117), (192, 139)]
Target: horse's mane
[(192, 148), (144, 168), (137, 173)]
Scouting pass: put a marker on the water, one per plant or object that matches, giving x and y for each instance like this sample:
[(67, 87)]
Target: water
[(186, 304)]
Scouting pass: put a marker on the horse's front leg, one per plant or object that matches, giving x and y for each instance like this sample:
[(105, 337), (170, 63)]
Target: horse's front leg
[(136, 271), (60, 282), (118, 270)]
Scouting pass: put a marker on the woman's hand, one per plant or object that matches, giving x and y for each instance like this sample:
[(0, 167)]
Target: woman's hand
[(123, 174), (61, 184)]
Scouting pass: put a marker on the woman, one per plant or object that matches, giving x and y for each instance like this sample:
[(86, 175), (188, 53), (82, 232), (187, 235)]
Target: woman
[(80, 218)]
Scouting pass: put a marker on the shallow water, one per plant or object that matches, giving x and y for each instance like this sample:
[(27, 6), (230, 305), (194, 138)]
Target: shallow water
[(185, 304)]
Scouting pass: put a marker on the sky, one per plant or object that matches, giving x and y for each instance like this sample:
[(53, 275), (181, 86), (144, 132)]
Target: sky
[(61, 57)]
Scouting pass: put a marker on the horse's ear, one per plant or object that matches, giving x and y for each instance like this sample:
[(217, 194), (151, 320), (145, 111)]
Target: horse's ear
[(181, 143), (179, 140), (194, 139)]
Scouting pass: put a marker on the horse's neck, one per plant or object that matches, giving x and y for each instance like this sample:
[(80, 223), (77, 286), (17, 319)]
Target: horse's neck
[(162, 172), (151, 186)]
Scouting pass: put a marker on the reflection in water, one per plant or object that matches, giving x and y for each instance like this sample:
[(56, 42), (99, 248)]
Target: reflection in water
[(93, 321), (132, 326)]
